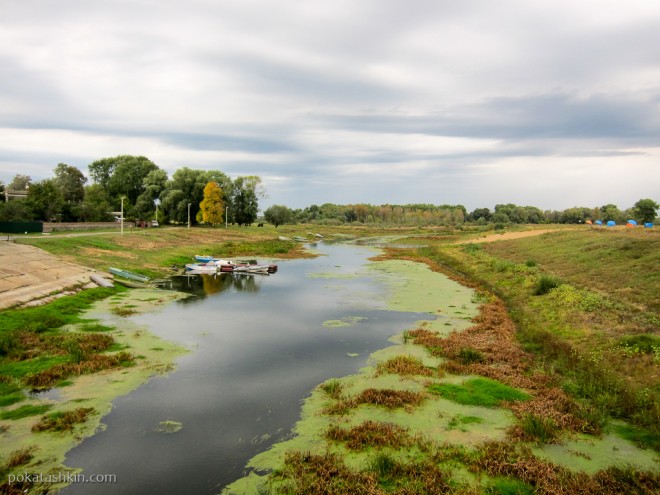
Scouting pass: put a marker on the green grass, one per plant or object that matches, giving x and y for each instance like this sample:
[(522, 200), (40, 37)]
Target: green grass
[(21, 369), (478, 392), (641, 436), (509, 486), (25, 411)]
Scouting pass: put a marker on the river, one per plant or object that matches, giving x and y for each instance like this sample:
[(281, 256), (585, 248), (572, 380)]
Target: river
[(259, 345)]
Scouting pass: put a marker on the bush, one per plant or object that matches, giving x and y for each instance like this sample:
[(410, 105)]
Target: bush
[(545, 284)]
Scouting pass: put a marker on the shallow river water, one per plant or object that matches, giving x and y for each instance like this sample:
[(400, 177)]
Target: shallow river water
[(258, 346)]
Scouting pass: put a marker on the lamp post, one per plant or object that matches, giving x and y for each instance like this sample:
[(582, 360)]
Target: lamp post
[(189, 215), (226, 215), (122, 215)]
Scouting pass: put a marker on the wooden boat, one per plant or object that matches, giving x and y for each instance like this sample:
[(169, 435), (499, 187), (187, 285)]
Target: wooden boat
[(211, 268), (129, 275), (234, 266), (133, 284)]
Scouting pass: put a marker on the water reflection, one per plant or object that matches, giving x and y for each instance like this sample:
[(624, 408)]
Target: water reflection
[(204, 285)]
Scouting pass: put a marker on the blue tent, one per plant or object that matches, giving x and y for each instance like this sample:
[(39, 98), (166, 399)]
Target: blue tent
[(599, 222), (611, 223), (632, 222), (648, 225)]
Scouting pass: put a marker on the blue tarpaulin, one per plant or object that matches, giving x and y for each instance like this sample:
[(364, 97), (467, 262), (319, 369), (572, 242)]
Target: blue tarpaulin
[(648, 225), (611, 223), (599, 222), (632, 222)]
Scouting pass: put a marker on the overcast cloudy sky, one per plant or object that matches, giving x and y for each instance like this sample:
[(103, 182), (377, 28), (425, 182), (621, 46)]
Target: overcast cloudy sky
[(545, 103)]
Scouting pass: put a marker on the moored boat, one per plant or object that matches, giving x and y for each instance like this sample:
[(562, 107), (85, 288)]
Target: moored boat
[(129, 275)]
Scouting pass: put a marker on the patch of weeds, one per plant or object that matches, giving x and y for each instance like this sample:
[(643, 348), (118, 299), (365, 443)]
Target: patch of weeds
[(370, 434), (530, 263), (123, 311), (403, 365), (478, 392), (640, 344), (391, 399), (384, 466), (545, 284), (18, 458), (472, 248), (24, 411), (333, 388), (10, 391), (509, 486), (539, 429), (95, 327), (467, 355), (63, 421)]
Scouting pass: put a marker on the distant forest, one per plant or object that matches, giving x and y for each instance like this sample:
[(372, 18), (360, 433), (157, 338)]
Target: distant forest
[(141, 190)]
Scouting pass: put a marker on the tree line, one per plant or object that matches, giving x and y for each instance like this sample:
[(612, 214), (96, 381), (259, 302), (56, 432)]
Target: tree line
[(453, 215), (135, 183), (146, 192)]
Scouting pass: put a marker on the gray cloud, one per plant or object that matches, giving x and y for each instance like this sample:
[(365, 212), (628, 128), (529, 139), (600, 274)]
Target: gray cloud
[(382, 101)]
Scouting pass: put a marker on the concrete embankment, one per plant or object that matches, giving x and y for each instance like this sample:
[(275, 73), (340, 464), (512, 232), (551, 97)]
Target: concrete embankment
[(29, 275)]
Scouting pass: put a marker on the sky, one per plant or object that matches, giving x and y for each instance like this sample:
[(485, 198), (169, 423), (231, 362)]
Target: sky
[(551, 104)]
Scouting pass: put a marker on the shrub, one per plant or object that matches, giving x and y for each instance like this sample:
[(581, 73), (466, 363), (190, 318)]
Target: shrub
[(545, 284)]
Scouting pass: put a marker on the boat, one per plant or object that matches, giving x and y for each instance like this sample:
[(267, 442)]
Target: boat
[(202, 268), (132, 284), (129, 275), (249, 266), (101, 281)]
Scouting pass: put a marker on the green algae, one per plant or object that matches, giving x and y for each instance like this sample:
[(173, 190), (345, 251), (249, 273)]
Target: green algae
[(169, 426), (415, 287), (347, 321)]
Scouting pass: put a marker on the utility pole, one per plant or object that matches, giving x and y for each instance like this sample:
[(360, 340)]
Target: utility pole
[(189, 215), (226, 215)]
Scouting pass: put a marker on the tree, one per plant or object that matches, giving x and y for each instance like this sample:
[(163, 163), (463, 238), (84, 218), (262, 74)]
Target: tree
[(611, 212), (71, 183), (95, 207), (154, 184), (45, 200), (186, 186), (122, 175), (19, 183), (278, 215), (212, 207), (245, 202), (645, 210), (480, 213)]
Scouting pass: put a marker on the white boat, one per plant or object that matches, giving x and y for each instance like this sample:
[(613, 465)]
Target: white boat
[(202, 268)]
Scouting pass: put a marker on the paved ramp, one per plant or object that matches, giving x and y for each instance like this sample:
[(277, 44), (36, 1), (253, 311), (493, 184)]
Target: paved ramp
[(29, 275)]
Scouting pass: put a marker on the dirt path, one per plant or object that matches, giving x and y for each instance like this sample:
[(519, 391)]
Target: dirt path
[(30, 276), (510, 235)]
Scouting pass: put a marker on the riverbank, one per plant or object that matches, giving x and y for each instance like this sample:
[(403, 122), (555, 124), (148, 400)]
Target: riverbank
[(24, 448)]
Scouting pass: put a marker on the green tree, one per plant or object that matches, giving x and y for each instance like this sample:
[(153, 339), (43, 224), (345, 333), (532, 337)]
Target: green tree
[(95, 206), (15, 210), (71, 182), (611, 212), (186, 186), (19, 183), (245, 199), (645, 210), (45, 200), (155, 184), (212, 207), (122, 175), (278, 215)]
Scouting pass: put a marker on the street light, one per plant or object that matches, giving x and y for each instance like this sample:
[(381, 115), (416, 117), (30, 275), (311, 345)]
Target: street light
[(226, 215), (189, 215), (122, 215)]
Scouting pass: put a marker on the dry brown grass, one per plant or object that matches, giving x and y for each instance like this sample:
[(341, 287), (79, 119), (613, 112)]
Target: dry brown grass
[(505, 459), (94, 363), (403, 365), (64, 421), (371, 434), (390, 399)]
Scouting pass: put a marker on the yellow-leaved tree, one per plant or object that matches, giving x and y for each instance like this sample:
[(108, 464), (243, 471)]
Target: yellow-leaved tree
[(212, 206)]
